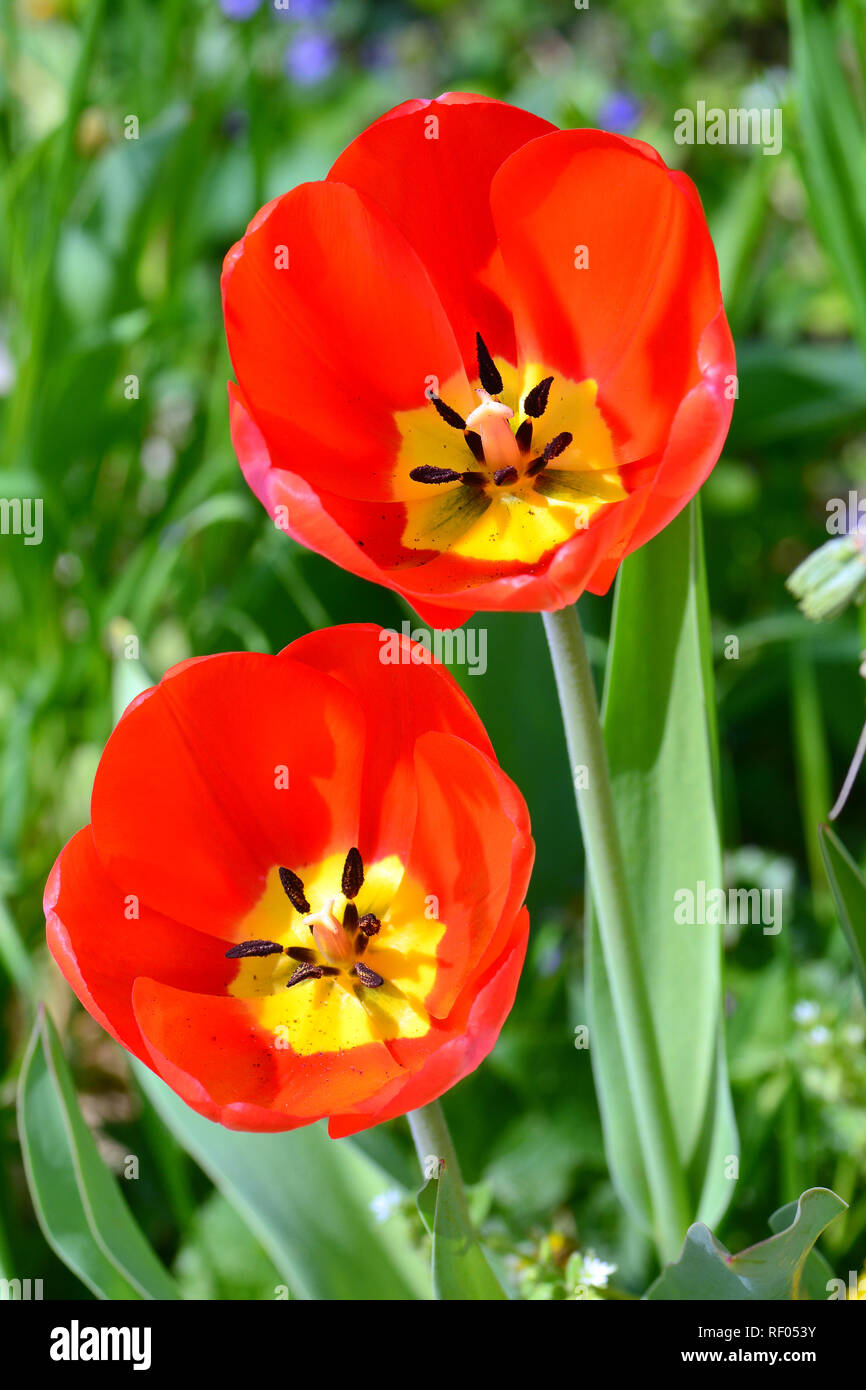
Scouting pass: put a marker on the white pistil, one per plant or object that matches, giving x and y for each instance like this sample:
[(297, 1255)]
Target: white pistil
[(490, 420), (330, 936)]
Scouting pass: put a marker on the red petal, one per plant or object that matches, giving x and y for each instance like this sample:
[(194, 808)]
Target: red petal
[(189, 806), (401, 702), (697, 437), (471, 850), (634, 318), (327, 350), (437, 616), (437, 190), (100, 949), (212, 1052)]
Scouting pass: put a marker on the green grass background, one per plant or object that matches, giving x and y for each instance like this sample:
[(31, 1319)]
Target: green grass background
[(109, 263)]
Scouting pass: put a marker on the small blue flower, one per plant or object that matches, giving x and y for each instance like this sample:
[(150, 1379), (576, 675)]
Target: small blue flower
[(239, 9), (310, 58), (620, 112)]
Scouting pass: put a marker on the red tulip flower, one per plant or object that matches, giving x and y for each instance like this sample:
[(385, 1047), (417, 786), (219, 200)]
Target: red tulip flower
[(483, 360), (302, 890)]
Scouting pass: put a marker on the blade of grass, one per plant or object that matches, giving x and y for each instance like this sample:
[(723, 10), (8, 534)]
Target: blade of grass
[(849, 892)]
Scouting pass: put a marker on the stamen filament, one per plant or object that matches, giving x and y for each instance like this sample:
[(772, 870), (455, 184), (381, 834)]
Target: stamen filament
[(503, 476), (523, 435), (473, 439)]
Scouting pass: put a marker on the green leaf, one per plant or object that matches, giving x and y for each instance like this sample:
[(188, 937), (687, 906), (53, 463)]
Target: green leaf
[(308, 1199), (832, 145), (659, 727), (737, 228), (461, 1271), (220, 1258), (817, 1270), (796, 395), (14, 957), (813, 768), (77, 1203), (849, 892), (772, 1270)]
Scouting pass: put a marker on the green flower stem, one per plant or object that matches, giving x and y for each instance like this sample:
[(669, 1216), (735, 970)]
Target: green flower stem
[(607, 879), (433, 1140)]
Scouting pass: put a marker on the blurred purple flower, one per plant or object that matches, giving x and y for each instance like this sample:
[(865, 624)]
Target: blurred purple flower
[(301, 9), (377, 55), (239, 9), (310, 58), (620, 112)]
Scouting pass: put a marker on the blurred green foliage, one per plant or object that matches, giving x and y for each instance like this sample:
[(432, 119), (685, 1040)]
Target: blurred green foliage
[(109, 268)]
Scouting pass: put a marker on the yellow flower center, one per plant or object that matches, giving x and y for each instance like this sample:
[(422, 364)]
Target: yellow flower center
[(529, 465), (332, 970)]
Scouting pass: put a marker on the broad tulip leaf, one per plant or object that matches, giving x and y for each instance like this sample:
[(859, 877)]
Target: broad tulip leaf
[(817, 1271), (220, 1257), (772, 1270), (76, 1199), (849, 892), (460, 1268), (659, 723), (311, 1202)]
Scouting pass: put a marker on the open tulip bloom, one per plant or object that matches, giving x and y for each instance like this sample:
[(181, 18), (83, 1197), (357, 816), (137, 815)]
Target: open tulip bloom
[(302, 890), (483, 360)]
